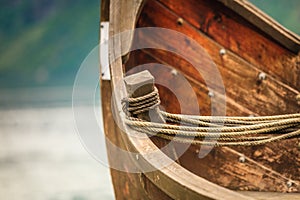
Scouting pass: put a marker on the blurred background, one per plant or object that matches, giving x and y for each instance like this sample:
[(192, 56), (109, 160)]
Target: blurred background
[(42, 44)]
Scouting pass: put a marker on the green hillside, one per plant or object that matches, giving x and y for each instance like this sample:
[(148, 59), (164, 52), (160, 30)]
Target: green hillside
[(44, 42)]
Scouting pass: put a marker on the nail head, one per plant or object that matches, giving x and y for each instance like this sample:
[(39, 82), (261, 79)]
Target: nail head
[(262, 76), (222, 52), (289, 184), (242, 159), (180, 21)]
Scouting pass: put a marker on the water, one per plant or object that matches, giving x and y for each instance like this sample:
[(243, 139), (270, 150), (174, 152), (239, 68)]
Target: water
[(41, 156)]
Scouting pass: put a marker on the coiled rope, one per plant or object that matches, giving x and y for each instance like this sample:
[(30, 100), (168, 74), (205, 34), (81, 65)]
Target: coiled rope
[(210, 130)]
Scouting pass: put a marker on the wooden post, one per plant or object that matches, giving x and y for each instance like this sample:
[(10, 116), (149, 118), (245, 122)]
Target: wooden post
[(140, 84)]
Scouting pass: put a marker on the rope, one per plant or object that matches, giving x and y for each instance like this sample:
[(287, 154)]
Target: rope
[(134, 106), (210, 130)]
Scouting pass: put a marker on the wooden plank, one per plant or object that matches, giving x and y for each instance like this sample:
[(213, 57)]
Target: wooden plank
[(173, 180), (272, 195), (263, 97), (129, 10), (104, 10), (222, 166), (286, 152), (239, 36), (143, 60), (178, 63), (126, 185), (264, 22)]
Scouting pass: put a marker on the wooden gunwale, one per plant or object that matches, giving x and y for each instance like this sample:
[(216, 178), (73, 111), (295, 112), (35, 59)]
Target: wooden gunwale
[(173, 180)]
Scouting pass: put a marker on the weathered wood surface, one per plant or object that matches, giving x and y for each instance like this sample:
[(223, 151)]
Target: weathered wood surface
[(144, 60), (232, 174), (150, 185), (104, 10), (141, 84), (241, 79), (271, 97), (128, 12), (172, 180), (238, 35), (265, 23), (126, 185), (273, 196)]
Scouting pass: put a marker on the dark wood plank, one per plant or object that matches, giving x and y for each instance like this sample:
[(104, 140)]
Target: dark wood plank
[(240, 70), (265, 23), (273, 195), (238, 35), (173, 179), (260, 175), (104, 10), (241, 79), (126, 185), (142, 60)]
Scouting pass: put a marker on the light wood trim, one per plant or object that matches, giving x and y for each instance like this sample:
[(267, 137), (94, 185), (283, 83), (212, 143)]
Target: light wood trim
[(264, 22), (272, 195)]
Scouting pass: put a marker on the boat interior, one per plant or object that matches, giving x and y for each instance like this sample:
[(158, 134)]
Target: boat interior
[(259, 76)]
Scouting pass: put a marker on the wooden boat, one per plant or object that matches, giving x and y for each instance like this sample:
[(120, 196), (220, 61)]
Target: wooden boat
[(259, 63)]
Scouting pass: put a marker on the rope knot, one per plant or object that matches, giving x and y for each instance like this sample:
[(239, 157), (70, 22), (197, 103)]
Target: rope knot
[(136, 105)]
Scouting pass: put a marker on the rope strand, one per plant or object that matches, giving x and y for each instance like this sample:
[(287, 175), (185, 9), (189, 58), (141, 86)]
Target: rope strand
[(210, 130)]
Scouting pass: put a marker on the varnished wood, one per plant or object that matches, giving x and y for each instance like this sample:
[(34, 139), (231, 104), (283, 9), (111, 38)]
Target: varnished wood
[(128, 10), (240, 78), (272, 195), (175, 181), (145, 60), (104, 11), (264, 22), (133, 186), (240, 36)]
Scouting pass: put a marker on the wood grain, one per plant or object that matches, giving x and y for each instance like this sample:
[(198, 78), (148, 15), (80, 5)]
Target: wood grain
[(239, 36), (143, 60), (173, 180), (265, 23), (126, 185), (233, 174), (240, 78), (269, 96)]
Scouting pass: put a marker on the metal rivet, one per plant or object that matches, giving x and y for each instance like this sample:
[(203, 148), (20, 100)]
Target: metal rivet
[(289, 184), (197, 151), (242, 159), (174, 72), (222, 52), (180, 21), (262, 76), (211, 94)]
